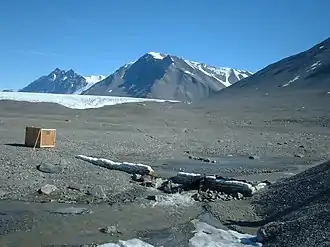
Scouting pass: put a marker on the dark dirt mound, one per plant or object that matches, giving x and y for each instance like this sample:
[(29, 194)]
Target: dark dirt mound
[(300, 206)]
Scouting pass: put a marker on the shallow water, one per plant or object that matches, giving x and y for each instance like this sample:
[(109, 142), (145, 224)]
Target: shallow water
[(44, 224), (234, 166), (167, 222)]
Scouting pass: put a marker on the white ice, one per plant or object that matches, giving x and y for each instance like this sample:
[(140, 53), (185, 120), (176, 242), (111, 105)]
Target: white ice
[(128, 243), (204, 236), (209, 236), (121, 166), (73, 101)]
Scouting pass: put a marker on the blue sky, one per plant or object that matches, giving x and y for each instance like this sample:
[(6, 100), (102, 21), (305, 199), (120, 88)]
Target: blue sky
[(97, 37)]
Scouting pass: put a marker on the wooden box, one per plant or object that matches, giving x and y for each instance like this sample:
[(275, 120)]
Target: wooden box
[(40, 137)]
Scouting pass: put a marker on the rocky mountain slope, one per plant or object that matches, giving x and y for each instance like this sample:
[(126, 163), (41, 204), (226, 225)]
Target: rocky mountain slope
[(306, 72), (156, 75), (62, 82)]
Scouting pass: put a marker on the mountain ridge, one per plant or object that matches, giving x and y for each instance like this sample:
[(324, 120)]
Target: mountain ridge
[(62, 82), (158, 75)]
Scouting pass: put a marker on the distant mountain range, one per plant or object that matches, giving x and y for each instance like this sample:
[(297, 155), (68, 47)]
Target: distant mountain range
[(62, 82), (154, 75)]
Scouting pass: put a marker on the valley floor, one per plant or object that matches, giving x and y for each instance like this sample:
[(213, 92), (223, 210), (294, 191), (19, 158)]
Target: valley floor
[(162, 135)]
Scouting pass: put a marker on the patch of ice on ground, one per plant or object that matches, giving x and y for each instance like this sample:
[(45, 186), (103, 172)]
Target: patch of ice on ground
[(206, 235), (128, 243), (74, 101), (120, 166)]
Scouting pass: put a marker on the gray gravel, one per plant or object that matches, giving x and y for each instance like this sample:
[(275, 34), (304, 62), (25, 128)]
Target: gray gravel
[(301, 205), (283, 140)]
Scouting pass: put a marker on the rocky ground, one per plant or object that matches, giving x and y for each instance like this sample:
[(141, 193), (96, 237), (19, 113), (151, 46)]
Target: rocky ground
[(168, 137)]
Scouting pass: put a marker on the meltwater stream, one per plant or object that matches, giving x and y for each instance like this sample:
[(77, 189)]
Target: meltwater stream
[(174, 221)]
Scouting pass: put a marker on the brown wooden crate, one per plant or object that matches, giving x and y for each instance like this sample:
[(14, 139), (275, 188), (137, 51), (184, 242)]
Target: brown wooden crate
[(39, 137)]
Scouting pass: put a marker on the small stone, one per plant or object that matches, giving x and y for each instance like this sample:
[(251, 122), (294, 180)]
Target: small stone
[(170, 188), (301, 146), (253, 157), (197, 197), (47, 189), (98, 192), (49, 168), (147, 181), (239, 196), (137, 177), (299, 155), (269, 231), (152, 197), (109, 230)]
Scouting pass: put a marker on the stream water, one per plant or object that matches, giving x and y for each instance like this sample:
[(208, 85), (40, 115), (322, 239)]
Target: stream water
[(168, 224)]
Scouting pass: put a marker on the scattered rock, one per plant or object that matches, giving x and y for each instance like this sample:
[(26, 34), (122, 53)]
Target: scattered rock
[(299, 155), (211, 196), (147, 181), (269, 231), (170, 187), (110, 230), (202, 159), (152, 197), (75, 187), (253, 157), (239, 196), (47, 189), (137, 177), (49, 168), (98, 192)]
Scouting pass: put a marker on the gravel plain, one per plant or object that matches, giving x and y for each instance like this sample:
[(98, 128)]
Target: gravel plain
[(279, 140)]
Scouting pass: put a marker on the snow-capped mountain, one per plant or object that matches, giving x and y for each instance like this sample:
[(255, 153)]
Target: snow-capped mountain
[(62, 82), (306, 72), (157, 75)]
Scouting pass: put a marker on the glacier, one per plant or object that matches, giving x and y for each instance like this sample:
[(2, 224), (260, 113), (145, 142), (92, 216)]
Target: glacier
[(74, 101)]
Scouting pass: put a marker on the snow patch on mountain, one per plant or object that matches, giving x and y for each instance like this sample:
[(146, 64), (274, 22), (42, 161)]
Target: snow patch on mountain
[(94, 78), (156, 55), (91, 80), (223, 72), (314, 66)]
